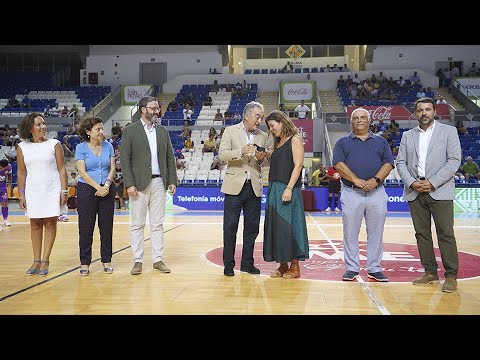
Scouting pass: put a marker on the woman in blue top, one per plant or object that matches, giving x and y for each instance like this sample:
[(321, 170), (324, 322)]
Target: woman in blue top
[(96, 167)]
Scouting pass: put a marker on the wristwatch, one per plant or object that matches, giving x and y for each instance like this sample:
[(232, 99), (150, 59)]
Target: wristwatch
[(377, 180)]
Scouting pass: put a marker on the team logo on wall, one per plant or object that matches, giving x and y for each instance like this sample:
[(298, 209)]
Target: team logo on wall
[(295, 52)]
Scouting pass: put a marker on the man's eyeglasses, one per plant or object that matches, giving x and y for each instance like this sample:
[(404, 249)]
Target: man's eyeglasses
[(155, 109)]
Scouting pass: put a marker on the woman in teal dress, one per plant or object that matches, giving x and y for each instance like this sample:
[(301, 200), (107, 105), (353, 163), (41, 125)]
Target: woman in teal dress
[(285, 236)]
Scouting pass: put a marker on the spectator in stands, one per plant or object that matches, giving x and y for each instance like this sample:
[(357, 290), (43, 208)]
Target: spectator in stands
[(187, 112), (209, 144), (319, 177), (429, 190), (186, 131), (74, 112), (455, 71), (430, 93), (394, 128), (188, 144), (421, 93), (341, 81), (147, 178), (64, 112), (447, 77), (118, 183), (473, 70), (382, 127), (470, 169), (13, 103), (335, 68), (243, 186), (237, 116), (72, 179), (288, 68), (227, 114), (327, 69), (218, 164), (281, 107), (441, 77), (6, 177), (218, 116), (414, 79), (43, 187), (218, 138), (285, 236), (26, 102), (356, 80), (215, 87), (401, 83), (345, 68), (117, 129), (441, 100), (67, 148), (47, 111), (207, 100), (11, 152), (55, 111), (237, 89), (191, 99), (180, 162), (172, 106), (459, 176), (461, 129), (95, 160), (302, 110)]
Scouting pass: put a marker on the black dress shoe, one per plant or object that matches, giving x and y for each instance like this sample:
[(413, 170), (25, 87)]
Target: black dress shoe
[(228, 272), (250, 269)]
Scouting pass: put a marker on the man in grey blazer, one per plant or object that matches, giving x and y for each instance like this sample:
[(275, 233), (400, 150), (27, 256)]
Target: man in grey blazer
[(241, 147), (148, 166), (428, 157)]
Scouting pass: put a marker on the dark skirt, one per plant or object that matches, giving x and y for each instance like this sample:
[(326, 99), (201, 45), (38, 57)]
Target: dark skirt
[(285, 235)]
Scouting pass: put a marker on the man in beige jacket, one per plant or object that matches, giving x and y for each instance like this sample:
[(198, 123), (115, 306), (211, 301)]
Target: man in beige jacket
[(243, 148)]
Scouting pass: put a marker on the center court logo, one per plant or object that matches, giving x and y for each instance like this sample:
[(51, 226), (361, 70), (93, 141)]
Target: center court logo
[(400, 261)]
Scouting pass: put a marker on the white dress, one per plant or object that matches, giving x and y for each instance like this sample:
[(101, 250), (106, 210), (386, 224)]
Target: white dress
[(42, 186)]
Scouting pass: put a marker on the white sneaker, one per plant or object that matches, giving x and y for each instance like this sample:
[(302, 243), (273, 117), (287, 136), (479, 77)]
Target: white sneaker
[(7, 223), (63, 218), (337, 209), (328, 209)]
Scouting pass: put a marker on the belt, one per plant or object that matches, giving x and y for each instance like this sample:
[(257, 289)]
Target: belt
[(156, 175)]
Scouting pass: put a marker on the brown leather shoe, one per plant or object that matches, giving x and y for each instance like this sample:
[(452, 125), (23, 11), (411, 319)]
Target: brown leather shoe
[(137, 269), (450, 285), (160, 266), (425, 279)]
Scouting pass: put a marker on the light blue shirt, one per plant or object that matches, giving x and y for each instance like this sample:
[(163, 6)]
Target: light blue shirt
[(97, 167)]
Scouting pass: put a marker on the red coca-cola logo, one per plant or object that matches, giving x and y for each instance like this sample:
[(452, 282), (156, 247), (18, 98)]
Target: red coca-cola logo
[(381, 113), (396, 112), (297, 91)]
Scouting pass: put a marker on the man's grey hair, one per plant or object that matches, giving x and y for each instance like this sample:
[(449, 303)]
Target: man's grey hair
[(250, 106)]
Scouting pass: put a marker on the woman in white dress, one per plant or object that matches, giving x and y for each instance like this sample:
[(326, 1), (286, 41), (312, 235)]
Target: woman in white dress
[(43, 187)]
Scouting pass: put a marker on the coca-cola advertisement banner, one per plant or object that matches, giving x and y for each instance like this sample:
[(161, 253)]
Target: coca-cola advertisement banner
[(294, 92), (305, 130), (396, 112)]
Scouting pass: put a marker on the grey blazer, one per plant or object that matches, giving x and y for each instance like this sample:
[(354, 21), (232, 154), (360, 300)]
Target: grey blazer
[(136, 158), (443, 161)]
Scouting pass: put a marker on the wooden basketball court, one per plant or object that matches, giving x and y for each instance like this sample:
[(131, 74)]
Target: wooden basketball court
[(196, 285)]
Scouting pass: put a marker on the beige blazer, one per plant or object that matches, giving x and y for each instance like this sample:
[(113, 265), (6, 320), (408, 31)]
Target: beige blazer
[(233, 140)]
